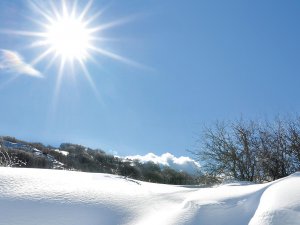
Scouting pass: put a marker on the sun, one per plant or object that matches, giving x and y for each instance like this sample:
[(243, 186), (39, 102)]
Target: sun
[(69, 38), (69, 35)]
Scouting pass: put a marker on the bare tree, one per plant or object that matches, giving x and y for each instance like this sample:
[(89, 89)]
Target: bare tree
[(251, 151), (8, 159)]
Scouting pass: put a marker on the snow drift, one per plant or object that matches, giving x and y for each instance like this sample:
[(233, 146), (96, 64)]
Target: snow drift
[(51, 197)]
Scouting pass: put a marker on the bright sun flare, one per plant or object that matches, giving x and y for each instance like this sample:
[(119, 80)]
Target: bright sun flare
[(69, 35), (69, 38)]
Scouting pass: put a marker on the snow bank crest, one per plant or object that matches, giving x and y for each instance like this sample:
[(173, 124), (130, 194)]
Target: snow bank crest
[(50, 197)]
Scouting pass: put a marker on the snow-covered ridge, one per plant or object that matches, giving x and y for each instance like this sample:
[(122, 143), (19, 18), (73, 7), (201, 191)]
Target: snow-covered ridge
[(48, 197), (169, 168), (181, 163)]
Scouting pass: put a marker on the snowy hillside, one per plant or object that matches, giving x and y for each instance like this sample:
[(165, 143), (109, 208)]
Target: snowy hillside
[(52, 197)]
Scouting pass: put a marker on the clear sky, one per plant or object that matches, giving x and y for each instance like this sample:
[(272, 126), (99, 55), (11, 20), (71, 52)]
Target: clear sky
[(174, 66)]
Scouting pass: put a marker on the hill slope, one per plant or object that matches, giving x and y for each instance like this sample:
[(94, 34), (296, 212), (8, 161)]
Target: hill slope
[(48, 197), (17, 153)]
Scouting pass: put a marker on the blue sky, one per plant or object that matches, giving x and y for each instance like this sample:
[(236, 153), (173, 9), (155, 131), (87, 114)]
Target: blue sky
[(201, 61)]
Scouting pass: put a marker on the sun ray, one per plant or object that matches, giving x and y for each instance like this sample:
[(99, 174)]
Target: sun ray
[(72, 69), (85, 10), (65, 27), (41, 11), (95, 16), (68, 37), (50, 63), (91, 19), (37, 22), (35, 44), (39, 43), (90, 80), (65, 9), (104, 39), (74, 9), (55, 11), (24, 33), (110, 25), (58, 82), (42, 56), (92, 59), (87, 75), (116, 57)]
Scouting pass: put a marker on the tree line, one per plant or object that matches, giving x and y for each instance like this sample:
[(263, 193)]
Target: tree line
[(249, 150), (80, 158)]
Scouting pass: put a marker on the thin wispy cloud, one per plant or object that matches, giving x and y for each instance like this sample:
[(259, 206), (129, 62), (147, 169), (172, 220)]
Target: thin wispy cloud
[(12, 62), (181, 163)]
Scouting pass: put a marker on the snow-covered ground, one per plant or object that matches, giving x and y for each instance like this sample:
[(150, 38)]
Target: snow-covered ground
[(54, 197)]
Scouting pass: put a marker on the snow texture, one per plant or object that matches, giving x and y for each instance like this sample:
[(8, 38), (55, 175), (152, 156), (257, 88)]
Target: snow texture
[(51, 197)]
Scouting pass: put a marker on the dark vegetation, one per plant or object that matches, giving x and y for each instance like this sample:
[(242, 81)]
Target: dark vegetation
[(244, 150), (253, 151), (18, 153)]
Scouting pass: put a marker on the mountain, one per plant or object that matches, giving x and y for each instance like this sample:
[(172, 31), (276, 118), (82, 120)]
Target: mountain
[(18, 153)]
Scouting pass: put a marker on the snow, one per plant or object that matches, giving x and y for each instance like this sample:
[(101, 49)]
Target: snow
[(50, 197), (65, 153), (181, 163)]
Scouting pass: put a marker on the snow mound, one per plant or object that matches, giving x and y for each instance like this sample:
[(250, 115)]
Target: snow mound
[(280, 203), (51, 197)]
